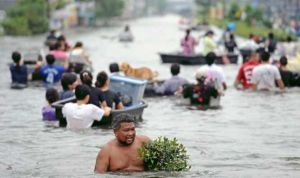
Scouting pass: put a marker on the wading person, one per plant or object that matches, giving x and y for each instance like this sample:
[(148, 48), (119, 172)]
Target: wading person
[(81, 115), (173, 84), (243, 78), (265, 75), (121, 153), (18, 70)]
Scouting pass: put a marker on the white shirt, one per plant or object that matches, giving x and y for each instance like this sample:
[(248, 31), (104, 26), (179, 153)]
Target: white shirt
[(216, 74), (264, 76), (81, 116)]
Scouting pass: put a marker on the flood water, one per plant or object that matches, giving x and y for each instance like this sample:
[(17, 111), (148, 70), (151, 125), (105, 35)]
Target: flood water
[(253, 135)]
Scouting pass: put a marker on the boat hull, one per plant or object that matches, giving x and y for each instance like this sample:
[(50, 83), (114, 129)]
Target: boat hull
[(197, 59), (135, 110)]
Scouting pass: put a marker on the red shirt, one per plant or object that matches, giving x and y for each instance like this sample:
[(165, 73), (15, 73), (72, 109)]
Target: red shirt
[(245, 73)]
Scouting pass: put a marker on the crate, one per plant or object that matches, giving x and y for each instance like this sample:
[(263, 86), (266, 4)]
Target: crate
[(131, 87)]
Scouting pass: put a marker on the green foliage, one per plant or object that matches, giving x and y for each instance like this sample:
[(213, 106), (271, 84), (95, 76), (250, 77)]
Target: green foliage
[(26, 18), (234, 11), (16, 26), (204, 7), (58, 4), (107, 9), (243, 29), (164, 154), (253, 14)]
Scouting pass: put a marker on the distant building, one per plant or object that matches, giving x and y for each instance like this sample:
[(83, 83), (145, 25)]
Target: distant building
[(6, 4), (65, 17), (182, 7)]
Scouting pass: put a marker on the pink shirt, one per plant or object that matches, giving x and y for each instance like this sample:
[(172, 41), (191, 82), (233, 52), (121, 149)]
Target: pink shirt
[(59, 55), (188, 45)]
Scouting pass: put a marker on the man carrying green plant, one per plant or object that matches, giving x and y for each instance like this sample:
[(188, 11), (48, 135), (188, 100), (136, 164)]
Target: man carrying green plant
[(121, 153)]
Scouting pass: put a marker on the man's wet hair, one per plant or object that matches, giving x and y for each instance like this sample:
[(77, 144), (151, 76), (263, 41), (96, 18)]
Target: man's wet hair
[(81, 91), (210, 58), (271, 35), (283, 60), (16, 57), (101, 79), (209, 32), (61, 38), (58, 45), (50, 59), (265, 56), (78, 44), (175, 69), (67, 79), (52, 95), (114, 67), (121, 118), (86, 77)]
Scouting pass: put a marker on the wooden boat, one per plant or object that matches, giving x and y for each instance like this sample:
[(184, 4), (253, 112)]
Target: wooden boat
[(197, 59), (136, 110)]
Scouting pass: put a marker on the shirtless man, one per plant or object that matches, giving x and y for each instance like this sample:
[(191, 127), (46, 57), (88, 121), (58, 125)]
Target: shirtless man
[(121, 153)]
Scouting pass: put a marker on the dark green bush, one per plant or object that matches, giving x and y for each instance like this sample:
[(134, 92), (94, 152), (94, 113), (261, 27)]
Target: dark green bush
[(16, 26), (164, 154), (27, 17)]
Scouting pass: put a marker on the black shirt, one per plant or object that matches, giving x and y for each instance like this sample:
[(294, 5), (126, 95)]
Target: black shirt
[(95, 96), (18, 74), (110, 97), (287, 77)]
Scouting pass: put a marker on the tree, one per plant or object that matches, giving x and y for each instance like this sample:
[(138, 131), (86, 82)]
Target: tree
[(203, 8), (107, 9), (234, 11), (253, 15), (27, 17)]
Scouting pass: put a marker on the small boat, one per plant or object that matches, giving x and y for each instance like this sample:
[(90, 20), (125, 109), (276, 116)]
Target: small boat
[(126, 37), (136, 110), (197, 59)]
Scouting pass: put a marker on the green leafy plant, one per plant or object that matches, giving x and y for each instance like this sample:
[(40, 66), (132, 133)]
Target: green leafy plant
[(164, 154), (27, 17)]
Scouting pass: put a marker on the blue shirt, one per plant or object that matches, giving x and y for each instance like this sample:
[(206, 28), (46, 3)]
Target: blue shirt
[(18, 73), (170, 86), (52, 73)]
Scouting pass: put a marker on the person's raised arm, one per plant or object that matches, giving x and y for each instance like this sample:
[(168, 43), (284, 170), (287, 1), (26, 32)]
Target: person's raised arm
[(107, 111), (102, 161)]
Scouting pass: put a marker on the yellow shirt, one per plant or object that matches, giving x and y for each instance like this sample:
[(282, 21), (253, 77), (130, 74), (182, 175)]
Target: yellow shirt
[(209, 45)]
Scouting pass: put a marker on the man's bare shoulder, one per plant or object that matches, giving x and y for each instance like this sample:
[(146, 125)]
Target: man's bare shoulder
[(143, 138), (107, 147)]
